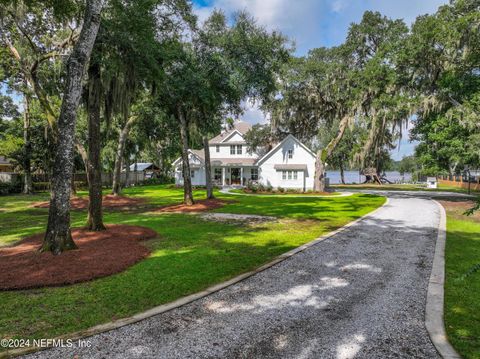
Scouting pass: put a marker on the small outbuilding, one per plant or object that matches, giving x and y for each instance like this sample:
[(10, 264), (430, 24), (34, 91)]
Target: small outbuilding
[(5, 165), (149, 169), (432, 182)]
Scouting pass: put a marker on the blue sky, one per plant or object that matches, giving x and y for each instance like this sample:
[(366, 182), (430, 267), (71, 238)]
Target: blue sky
[(315, 23)]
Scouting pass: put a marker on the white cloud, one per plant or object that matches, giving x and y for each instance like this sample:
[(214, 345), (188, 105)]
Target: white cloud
[(252, 113), (338, 5)]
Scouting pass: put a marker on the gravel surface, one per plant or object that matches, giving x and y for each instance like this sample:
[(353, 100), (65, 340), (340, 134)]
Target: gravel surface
[(237, 218), (358, 294)]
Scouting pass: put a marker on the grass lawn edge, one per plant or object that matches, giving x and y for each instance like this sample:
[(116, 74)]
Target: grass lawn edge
[(434, 310), (105, 327)]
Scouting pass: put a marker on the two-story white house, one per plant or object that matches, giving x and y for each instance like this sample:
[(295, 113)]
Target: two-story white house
[(290, 164)]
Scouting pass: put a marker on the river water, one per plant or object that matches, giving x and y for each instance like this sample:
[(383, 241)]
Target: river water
[(354, 177)]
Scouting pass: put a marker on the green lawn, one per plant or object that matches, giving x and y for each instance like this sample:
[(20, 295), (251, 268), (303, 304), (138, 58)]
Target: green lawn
[(189, 255), (462, 290), (286, 193)]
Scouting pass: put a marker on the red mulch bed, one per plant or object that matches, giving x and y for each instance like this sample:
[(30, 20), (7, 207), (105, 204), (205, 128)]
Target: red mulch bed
[(199, 206), (99, 254), (109, 201)]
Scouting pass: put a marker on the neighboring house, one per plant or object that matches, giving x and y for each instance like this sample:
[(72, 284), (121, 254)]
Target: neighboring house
[(290, 164), (149, 169), (5, 165)]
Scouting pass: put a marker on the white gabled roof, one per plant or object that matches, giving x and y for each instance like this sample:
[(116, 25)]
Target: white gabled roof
[(239, 126), (230, 135), (195, 153), (280, 144)]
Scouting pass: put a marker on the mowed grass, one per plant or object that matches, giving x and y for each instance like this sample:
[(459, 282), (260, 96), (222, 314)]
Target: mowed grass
[(462, 286), (189, 255)]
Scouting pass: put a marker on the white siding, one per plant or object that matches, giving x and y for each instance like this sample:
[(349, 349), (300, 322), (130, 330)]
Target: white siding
[(198, 179), (225, 149), (269, 176)]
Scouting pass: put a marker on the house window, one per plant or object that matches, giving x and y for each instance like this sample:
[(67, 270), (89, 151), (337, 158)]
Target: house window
[(217, 147), (239, 149), (192, 173), (295, 175), (290, 153), (232, 149), (284, 175), (217, 174), (289, 175), (254, 174)]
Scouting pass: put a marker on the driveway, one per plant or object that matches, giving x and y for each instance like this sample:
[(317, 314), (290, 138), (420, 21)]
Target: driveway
[(359, 294)]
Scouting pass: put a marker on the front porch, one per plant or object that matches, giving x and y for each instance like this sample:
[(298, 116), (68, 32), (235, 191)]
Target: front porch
[(233, 175)]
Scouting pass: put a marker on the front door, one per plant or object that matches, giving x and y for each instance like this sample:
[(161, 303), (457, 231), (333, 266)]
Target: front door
[(235, 176)]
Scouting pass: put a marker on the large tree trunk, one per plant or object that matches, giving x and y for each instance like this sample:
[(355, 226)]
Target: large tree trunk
[(127, 171), (319, 180), (27, 168), (322, 155), (208, 169), (187, 180), (117, 186), (94, 219), (58, 237), (342, 174)]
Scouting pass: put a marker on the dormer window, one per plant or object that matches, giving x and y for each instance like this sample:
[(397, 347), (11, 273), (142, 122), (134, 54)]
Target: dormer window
[(217, 148), (239, 149), (232, 149), (290, 153)]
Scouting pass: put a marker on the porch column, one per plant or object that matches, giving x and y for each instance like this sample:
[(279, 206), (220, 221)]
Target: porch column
[(223, 176), (241, 176)]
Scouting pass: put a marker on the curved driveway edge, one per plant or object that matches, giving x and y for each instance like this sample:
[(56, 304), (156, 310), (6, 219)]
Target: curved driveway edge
[(435, 296), (190, 298)]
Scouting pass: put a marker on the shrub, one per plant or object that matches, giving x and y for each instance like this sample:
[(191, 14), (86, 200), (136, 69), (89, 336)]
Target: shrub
[(252, 187), (10, 187), (158, 180), (281, 189), (269, 188)]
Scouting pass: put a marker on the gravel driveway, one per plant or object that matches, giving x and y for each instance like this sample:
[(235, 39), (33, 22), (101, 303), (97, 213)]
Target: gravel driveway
[(358, 294)]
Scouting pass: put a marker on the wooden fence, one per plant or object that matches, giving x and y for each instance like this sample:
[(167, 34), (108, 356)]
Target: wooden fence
[(460, 182), (43, 180)]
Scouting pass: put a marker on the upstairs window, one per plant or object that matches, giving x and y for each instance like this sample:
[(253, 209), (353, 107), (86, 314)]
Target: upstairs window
[(232, 149), (217, 148), (239, 149), (290, 153)]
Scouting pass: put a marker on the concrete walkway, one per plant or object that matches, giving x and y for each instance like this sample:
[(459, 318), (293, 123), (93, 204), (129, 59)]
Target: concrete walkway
[(359, 294)]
